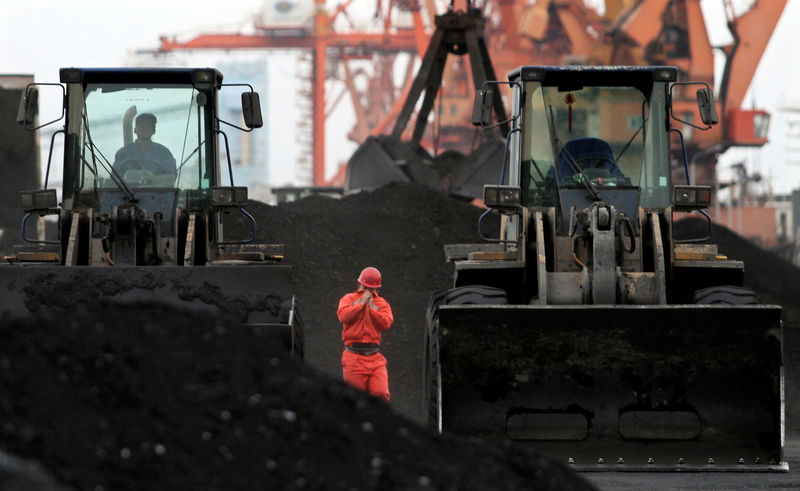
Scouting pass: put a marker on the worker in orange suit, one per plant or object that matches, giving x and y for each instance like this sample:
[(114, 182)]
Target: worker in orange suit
[(364, 316)]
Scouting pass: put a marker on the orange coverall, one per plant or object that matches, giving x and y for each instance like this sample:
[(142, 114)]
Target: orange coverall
[(364, 324)]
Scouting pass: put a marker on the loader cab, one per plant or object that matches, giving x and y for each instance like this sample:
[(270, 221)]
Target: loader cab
[(590, 147), (593, 134), (135, 135), (141, 165)]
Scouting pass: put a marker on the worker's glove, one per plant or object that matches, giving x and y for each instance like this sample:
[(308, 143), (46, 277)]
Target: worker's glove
[(367, 296)]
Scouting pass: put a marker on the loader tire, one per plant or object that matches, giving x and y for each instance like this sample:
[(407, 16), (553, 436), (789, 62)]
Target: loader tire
[(437, 297), (432, 378), (278, 335), (465, 295), (298, 342), (476, 294), (725, 295), (430, 357), (295, 334)]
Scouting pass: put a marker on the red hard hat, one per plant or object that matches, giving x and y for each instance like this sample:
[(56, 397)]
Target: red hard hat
[(370, 277)]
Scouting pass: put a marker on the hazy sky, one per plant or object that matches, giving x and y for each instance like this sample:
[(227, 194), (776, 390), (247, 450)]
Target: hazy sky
[(39, 36)]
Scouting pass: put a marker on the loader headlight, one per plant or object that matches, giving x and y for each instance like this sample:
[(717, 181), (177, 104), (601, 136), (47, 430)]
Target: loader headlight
[(532, 74), (203, 78), (38, 200), (688, 198), (229, 196), (506, 199), (70, 75), (666, 74)]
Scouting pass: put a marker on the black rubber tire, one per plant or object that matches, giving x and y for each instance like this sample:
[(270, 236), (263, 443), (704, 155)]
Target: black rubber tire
[(294, 334), (437, 297), (477, 295), (464, 295), (431, 377), (725, 295), (298, 348), (298, 334)]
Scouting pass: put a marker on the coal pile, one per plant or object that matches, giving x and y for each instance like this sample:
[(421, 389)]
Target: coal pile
[(140, 397), (401, 228)]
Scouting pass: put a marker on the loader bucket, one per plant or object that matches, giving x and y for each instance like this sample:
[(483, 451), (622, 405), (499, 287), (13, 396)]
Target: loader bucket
[(482, 166), (673, 387), (381, 160), (384, 159), (253, 295)]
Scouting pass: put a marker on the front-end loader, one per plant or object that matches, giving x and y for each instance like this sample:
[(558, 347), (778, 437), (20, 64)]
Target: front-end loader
[(587, 329), (149, 225)]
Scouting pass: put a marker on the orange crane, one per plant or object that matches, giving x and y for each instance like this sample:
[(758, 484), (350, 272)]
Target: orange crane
[(673, 32), (645, 32), (521, 32), (327, 47)]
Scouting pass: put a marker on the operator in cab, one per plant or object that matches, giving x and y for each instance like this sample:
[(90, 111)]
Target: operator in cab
[(144, 155), (364, 316)]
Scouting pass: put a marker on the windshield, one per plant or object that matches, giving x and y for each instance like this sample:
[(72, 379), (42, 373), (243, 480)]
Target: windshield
[(128, 141), (593, 138)]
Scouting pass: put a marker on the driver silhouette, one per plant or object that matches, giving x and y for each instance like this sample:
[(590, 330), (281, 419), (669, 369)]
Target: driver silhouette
[(144, 154)]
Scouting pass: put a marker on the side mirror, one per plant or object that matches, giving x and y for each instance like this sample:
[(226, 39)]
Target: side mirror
[(251, 110), (482, 110), (28, 106), (706, 106)]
